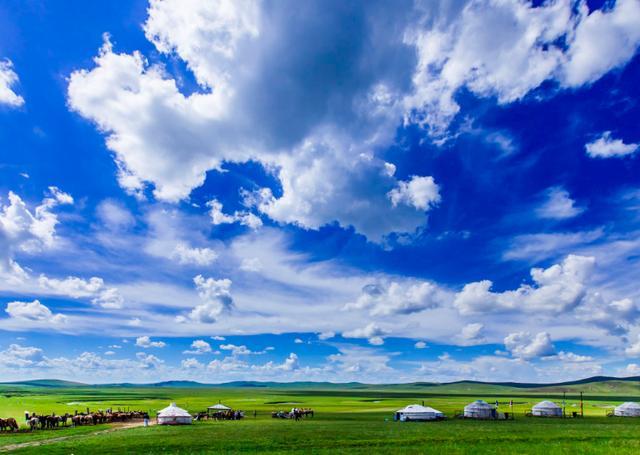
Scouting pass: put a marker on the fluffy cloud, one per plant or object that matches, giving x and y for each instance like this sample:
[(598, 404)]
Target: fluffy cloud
[(146, 342), (199, 347), (471, 334), (8, 78), (243, 217), (525, 346), (216, 299), (196, 256), (17, 356), (419, 192), (607, 147), (508, 48), (556, 289), (372, 332), (633, 350), (420, 345), (23, 230), (191, 364), (102, 296), (33, 311), (239, 350), (114, 215), (398, 298), (558, 205)]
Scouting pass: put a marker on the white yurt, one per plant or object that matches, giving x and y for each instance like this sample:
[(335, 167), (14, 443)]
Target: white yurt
[(415, 412), (546, 409), (219, 407), (173, 415), (480, 409), (628, 409)]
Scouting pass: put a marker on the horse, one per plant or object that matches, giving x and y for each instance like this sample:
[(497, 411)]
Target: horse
[(12, 424), (33, 422)]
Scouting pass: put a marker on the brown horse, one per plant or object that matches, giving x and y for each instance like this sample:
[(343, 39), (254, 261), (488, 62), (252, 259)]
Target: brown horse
[(12, 424)]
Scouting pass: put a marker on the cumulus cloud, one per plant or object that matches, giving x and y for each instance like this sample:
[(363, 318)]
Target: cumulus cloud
[(507, 49), (472, 334), (199, 347), (420, 345), (215, 296), (146, 342), (326, 335), (33, 311), (558, 205), (633, 350), (243, 217), (9, 78), (195, 256), (239, 350), (18, 356), (525, 346), (102, 296), (191, 364), (556, 289), (372, 332), (419, 192), (30, 231), (607, 147), (114, 215), (387, 298)]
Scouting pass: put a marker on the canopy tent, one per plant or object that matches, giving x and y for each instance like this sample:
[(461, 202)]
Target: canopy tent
[(219, 407), (628, 409), (546, 409), (173, 415), (480, 409), (415, 412)]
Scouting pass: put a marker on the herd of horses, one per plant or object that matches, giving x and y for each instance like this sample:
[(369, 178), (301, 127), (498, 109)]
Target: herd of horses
[(53, 421), (295, 413), (220, 415)]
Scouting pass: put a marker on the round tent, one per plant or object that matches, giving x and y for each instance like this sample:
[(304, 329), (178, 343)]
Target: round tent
[(628, 409), (546, 409), (415, 412), (219, 407), (173, 415), (480, 409)]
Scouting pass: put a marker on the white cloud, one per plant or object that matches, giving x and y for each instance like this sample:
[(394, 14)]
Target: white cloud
[(199, 347), (570, 357), (420, 345), (33, 311), (8, 78), (472, 334), (558, 205), (217, 338), (239, 350), (114, 215), (196, 256), (633, 350), (607, 147), (102, 296), (146, 342), (326, 335), (191, 364), (406, 297), (507, 49), (216, 299), (556, 289), (602, 40), (243, 217), (419, 192), (17, 356), (372, 332), (23, 230), (251, 265), (525, 346), (632, 369), (298, 341)]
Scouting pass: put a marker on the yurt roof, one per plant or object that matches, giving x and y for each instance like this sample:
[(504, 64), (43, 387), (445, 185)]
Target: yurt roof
[(546, 404), (173, 411), (479, 404), (629, 405), (416, 408), (220, 407)]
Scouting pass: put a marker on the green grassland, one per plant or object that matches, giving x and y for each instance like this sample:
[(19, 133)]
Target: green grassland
[(352, 418)]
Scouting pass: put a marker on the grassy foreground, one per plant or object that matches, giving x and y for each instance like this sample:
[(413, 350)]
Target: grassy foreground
[(347, 421)]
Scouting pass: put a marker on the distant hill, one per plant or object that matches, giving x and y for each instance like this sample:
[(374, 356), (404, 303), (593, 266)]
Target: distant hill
[(603, 384)]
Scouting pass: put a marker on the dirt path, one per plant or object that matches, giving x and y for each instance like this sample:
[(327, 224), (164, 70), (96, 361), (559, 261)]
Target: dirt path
[(42, 442)]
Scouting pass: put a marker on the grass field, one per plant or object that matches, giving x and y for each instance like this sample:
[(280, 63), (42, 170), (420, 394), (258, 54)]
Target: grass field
[(348, 420)]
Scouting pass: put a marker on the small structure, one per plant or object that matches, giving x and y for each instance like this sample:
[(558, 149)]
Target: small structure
[(219, 407), (173, 415), (546, 409), (480, 409), (628, 409), (416, 412)]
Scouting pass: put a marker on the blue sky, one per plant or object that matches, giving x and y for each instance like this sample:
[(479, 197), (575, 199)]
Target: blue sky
[(337, 191)]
